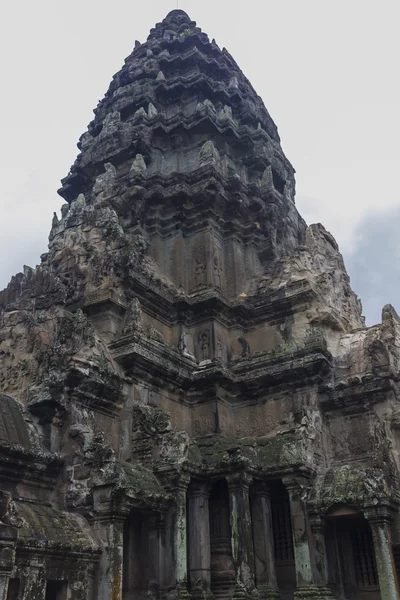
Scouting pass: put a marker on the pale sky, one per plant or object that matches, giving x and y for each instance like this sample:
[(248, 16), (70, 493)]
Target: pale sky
[(326, 70)]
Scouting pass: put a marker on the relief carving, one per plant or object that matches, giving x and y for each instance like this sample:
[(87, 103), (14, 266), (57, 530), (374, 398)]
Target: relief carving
[(204, 342), (220, 349), (185, 345), (240, 348), (204, 425), (200, 274), (217, 271), (133, 318)]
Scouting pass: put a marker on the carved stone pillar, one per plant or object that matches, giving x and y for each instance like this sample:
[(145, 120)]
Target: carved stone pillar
[(154, 553), (308, 576), (242, 535), (380, 527), (163, 551), (110, 529), (33, 582), (82, 588), (8, 539), (180, 536), (108, 525), (263, 536), (318, 547), (199, 539), (4, 579), (157, 553)]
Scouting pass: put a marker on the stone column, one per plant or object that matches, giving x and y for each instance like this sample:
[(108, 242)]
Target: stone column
[(180, 536), (4, 579), (241, 534), (163, 551), (110, 530), (8, 540), (199, 539), (33, 582), (156, 554), (380, 526), (318, 548), (81, 586), (263, 536), (309, 583), (108, 525)]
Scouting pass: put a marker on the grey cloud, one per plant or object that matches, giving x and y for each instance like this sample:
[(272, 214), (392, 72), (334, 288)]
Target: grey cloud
[(26, 224), (374, 263)]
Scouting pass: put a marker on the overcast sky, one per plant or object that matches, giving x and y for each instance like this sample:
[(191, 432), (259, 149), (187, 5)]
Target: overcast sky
[(328, 72)]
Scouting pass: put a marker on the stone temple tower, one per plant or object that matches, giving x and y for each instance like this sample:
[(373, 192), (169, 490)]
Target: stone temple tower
[(191, 404)]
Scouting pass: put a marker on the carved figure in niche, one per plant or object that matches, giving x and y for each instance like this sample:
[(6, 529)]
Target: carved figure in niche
[(199, 273), (83, 330), (185, 345), (154, 334), (217, 271), (8, 511), (182, 344), (245, 346), (204, 340), (133, 317), (220, 349), (240, 348)]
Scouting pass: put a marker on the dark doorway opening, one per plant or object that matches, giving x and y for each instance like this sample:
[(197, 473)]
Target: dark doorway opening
[(283, 538), (56, 590), (351, 557), (13, 589), (222, 566)]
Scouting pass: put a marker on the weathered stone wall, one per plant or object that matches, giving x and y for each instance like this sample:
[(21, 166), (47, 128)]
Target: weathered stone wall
[(186, 327)]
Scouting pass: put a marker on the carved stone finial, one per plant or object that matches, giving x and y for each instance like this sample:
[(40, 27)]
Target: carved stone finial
[(152, 112), (140, 113), (266, 180), (110, 169), (208, 154), (27, 270), (138, 165), (226, 113), (208, 104), (8, 511), (105, 180), (78, 204)]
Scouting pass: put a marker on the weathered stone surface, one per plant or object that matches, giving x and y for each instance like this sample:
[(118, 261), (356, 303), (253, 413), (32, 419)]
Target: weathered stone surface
[(187, 330)]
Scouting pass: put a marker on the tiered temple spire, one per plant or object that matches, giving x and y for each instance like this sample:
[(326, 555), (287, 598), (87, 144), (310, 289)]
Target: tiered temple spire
[(192, 404)]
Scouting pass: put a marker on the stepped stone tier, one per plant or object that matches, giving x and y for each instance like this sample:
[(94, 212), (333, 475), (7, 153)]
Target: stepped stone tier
[(192, 405)]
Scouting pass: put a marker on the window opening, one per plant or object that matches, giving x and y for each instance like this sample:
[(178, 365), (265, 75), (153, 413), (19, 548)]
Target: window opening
[(364, 558), (56, 590), (282, 527), (13, 589)]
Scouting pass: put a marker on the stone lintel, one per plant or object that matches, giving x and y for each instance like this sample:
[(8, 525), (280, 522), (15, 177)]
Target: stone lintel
[(355, 395), (384, 514), (145, 355)]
